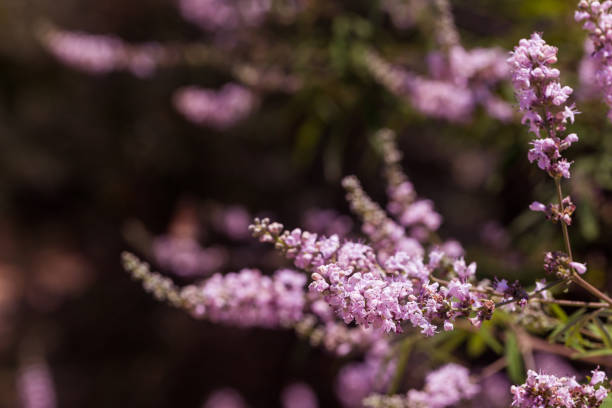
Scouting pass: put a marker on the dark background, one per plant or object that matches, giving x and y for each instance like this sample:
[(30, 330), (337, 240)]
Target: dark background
[(81, 155)]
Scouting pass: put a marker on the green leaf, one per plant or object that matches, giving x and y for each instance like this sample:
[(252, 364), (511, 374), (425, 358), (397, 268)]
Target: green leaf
[(603, 332), (563, 328), (559, 312), (515, 369), (476, 345), (488, 337), (607, 403)]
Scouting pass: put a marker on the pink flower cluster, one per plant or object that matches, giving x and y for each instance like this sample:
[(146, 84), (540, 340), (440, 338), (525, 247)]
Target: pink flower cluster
[(219, 109), (416, 214), (445, 387), (458, 83), (186, 257), (359, 289), (216, 15), (101, 54), (384, 234), (35, 385), (225, 398), (299, 395), (597, 21), (404, 13), (357, 380), (549, 391), (248, 298), (327, 222), (543, 102)]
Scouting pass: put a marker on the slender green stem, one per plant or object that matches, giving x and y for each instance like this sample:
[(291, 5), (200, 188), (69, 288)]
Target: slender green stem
[(568, 246), (576, 278)]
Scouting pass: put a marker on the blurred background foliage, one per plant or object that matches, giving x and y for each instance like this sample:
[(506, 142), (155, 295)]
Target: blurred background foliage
[(81, 155)]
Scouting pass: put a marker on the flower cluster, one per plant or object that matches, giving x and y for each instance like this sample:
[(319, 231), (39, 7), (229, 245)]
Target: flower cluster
[(356, 381), (327, 222), (384, 296), (245, 299), (549, 391), (559, 264), (186, 257), (403, 13), (219, 15), (444, 387), (556, 212), (456, 86), (384, 234), (543, 102), (101, 54), (225, 398), (597, 21), (35, 385), (411, 212), (299, 395), (248, 299), (219, 109)]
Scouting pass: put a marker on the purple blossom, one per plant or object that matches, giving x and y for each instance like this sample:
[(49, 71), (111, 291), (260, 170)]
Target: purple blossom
[(249, 299), (543, 100), (35, 385), (359, 289), (445, 387), (223, 15), (186, 257), (101, 54), (596, 19), (355, 381), (299, 395), (225, 398), (549, 391), (220, 109)]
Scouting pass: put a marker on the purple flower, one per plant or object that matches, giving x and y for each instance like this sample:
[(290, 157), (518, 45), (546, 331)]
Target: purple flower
[(225, 398), (299, 395), (542, 390), (597, 21), (542, 99), (219, 109)]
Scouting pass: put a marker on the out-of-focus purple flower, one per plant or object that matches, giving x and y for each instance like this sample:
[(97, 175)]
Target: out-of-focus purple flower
[(222, 15), (457, 83), (327, 222), (35, 385), (552, 364), (444, 387), (587, 73), (494, 392), (232, 221), (403, 13), (355, 381), (596, 17), (225, 398), (494, 235), (101, 54), (249, 299), (219, 109), (186, 257), (299, 395)]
